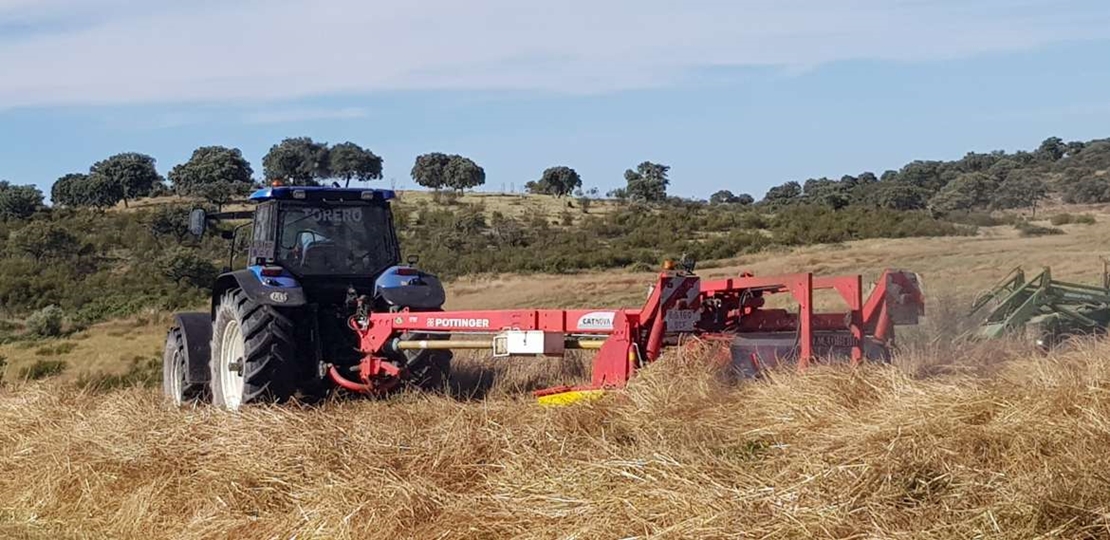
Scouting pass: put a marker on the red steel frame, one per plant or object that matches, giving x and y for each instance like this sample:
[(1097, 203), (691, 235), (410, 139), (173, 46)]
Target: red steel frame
[(636, 337)]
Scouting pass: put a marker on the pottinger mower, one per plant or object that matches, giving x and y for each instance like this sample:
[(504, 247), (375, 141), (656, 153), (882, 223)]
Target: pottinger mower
[(325, 302)]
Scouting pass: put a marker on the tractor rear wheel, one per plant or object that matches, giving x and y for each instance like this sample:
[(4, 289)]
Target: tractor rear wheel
[(253, 353), (174, 367)]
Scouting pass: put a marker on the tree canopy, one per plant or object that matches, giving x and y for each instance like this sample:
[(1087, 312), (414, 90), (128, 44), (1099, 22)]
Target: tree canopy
[(437, 171), (462, 173), (558, 181), (211, 165), (967, 191), (43, 240), (783, 193), (297, 160), (725, 196), (430, 170), (648, 183), (133, 174), (350, 161), (1019, 191), (18, 202), (216, 173), (86, 190)]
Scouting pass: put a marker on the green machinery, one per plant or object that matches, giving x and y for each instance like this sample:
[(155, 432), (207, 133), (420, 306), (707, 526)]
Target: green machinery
[(1043, 309)]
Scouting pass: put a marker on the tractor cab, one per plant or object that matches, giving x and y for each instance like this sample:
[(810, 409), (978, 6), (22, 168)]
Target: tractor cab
[(318, 232)]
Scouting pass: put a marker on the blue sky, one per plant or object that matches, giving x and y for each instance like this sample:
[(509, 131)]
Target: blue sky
[(738, 95)]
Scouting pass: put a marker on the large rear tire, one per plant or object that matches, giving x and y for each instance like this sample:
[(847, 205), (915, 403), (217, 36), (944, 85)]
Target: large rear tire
[(253, 353), (174, 367)]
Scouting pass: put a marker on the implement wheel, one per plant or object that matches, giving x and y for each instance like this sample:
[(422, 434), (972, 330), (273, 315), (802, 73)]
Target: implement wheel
[(427, 369), (431, 371), (253, 353)]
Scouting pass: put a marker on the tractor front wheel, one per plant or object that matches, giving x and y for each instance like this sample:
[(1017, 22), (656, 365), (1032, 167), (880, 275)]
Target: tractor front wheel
[(253, 353)]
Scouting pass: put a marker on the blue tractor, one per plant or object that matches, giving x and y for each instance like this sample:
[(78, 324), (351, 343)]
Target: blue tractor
[(317, 256)]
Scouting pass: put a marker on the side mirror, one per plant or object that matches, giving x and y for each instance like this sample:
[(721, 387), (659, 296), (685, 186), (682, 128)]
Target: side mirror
[(412, 260), (198, 221)]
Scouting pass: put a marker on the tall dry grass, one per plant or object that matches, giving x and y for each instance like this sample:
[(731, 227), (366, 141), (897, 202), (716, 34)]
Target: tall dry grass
[(870, 453)]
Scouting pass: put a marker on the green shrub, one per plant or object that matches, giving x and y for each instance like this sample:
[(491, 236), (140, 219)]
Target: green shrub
[(42, 369), (46, 322)]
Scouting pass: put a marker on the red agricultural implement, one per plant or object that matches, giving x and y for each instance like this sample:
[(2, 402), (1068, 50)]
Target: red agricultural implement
[(680, 305), (325, 261)]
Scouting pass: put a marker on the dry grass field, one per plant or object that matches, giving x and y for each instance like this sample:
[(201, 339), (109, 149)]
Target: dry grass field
[(990, 441), (872, 453)]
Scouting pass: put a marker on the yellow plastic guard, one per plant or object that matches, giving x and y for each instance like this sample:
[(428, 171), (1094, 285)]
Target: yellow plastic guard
[(567, 398)]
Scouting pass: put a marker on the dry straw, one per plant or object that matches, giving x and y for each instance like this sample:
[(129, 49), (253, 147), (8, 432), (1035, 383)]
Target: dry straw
[(1016, 451)]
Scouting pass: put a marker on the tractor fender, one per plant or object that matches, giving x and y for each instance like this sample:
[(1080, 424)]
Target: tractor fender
[(196, 329), (286, 293)]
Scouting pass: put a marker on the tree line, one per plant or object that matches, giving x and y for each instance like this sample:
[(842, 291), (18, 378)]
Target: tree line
[(1075, 171), (221, 175)]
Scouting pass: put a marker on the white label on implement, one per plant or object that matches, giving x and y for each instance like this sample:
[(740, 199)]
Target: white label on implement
[(681, 320), (458, 323), (597, 320)]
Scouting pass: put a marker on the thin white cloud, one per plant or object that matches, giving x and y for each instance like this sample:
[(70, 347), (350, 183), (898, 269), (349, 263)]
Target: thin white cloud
[(247, 50), (281, 116)]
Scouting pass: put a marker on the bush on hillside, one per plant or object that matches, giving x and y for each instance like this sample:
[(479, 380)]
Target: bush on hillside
[(46, 322)]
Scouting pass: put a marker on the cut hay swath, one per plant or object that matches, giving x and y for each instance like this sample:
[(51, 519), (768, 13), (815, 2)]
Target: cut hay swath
[(681, 453)]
